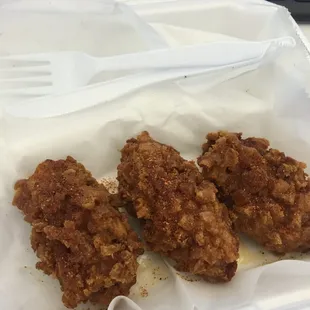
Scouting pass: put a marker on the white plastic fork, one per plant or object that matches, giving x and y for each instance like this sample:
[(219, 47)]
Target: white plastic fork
[(50, 73), (86, 97)]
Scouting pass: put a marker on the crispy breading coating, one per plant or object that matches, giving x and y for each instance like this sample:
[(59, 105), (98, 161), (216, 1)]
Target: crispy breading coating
[(77, 235), (268, 192), (181, 216)]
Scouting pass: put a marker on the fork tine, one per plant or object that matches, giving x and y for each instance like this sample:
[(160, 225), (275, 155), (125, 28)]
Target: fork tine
[(17, 64), (28, 80), (17, 84), (22, 64), (7, 62), (21, 71), (31, 91), (46, 79), (40, 57)]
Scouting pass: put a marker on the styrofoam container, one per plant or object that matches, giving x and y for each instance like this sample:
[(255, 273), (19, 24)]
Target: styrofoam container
[(271, 101)]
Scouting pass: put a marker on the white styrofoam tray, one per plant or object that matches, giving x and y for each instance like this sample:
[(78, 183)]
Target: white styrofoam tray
[(263, 102)]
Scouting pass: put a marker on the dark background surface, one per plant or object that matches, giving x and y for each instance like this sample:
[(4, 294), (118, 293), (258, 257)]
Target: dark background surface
[(300, 9)]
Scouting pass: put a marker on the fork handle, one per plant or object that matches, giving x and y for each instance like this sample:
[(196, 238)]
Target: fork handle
[(206, 55)]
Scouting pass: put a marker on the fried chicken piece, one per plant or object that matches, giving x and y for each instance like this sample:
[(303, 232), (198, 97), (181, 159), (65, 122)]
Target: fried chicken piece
[(268, 192), (77, 235), (182, 218)]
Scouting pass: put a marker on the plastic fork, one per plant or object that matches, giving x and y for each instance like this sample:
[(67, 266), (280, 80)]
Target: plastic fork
[(50, 73), (89, 96), (104, 92)]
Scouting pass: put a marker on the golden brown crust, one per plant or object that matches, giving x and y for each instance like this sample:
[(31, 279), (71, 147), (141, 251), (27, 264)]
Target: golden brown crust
[(77, 235), (269, 192), (182, 216)]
